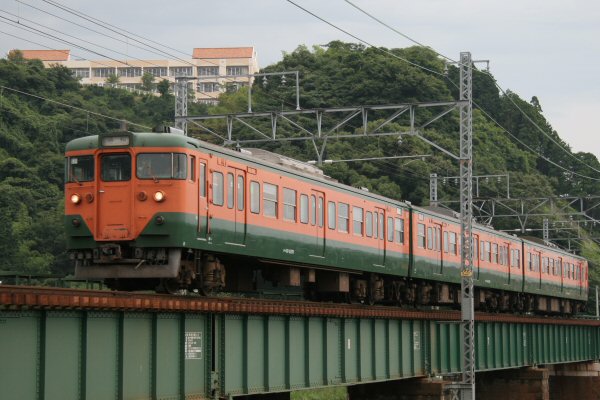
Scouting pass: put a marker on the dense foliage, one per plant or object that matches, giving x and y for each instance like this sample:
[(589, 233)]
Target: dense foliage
[(33, 133)]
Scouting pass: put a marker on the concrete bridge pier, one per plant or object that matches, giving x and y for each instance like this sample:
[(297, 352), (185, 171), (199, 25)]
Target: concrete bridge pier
[(580, 381)]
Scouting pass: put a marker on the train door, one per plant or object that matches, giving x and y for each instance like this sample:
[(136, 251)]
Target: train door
[(236, 195), (538, 269), (203, 203), (437, 247), (379, 233), (475, 251), (560, 273), (317, 216), (115, 197), (504, 248)]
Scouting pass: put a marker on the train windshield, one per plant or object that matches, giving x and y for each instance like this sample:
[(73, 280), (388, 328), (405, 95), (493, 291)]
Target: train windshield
[(161, 166), (116, 167), (80, 169)]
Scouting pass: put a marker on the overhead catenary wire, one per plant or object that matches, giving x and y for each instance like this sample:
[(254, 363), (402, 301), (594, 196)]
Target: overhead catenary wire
[(437, 73), (503, 91)]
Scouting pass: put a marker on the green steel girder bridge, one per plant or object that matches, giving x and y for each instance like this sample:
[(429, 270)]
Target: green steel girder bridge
[(79, 344)]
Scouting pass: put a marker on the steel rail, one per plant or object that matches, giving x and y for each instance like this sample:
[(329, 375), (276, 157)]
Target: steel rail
[(35, 297)]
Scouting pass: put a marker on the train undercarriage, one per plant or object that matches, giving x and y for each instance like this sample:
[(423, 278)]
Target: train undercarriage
[(206, 273)]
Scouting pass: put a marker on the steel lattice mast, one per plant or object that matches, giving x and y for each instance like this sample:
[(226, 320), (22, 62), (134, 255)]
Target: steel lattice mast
[(466, 227)]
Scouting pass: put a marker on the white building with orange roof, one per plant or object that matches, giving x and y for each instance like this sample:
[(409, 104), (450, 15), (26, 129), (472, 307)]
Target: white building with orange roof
[(214, 70)]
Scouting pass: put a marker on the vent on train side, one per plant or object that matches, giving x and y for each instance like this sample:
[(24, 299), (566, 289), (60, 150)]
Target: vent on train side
[(284, 161)]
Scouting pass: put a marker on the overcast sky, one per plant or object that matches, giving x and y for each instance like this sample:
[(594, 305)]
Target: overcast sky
[(549, 49)]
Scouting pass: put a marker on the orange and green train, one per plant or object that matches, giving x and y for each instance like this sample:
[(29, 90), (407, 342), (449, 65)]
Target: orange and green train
[(169, 212)]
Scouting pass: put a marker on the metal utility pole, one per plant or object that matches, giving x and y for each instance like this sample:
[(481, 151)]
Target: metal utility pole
[(467, 389), (433, 192), (181, 106)]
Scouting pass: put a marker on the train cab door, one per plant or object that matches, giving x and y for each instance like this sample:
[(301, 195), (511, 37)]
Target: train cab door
[(115, 197), (203, 204), (317, 205), (236, 196), (378, 228)]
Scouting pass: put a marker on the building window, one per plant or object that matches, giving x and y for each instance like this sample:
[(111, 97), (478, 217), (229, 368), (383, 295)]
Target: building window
[(421, 236), (399, 228), (180, 71), (208, 87), (357, 218), (237, 70), (80, 72), (331, 215), (102, 72), (289, 204), (270, 200), (255, 197), (217, 185), (156, 71), (129, 72), (208, 71), (343, 218), (304, 209)]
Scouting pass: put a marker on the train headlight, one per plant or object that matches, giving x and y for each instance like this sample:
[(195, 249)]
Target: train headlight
[(160, 196), (75, 198)]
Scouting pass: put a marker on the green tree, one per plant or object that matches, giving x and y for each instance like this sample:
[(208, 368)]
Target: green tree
[(113, 79), (147, 81), (163, 87)]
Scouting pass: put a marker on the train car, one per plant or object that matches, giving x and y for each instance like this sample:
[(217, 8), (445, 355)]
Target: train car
[(168, 212), (148, 208)]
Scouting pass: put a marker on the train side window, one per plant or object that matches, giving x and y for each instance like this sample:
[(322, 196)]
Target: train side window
[(399, 228), (494, 253), (390, 229), (429, 238), (270, 200), (445, 241), (240, 193), (358, 220), (313, 209), (343, 217), (331, 215), (453, 247), (255, 197), (482, 250), (488, 251), (304, 209), (217, 186), (369, 224), (380, 226), (202, 180), (545, 264), (530, 261), (193, 168), (320, 207), (421, 235), (437, 238), (230, 190), (289, 204)]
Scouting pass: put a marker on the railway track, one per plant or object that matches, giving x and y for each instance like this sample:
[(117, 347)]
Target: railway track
[(35, 297)]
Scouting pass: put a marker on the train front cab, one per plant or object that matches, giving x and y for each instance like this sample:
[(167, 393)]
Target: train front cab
[(129, 209)]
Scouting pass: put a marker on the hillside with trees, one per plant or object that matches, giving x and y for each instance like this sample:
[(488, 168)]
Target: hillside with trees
[(33, 133)]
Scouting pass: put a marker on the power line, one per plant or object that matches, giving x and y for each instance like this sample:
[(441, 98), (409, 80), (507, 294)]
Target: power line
[(364, 41), (73, 107), (483, 72)]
